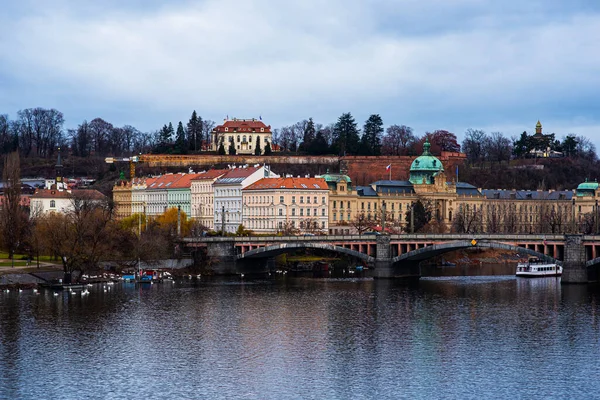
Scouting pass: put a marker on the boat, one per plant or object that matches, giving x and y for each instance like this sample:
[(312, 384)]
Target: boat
[(534, 267)]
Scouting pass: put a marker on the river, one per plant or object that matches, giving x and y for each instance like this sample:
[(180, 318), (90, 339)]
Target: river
[(304, 338)]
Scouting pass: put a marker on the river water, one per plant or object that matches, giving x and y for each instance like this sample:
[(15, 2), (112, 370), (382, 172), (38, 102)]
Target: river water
[(303, 338)]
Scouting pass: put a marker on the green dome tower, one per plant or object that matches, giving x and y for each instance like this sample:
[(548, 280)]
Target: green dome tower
[(425, 167)]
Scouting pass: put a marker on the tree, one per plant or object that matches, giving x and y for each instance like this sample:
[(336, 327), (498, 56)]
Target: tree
[(181, 145), (13, 219), (497, 147), (308, 136), (257, 149), (421, 215), (194, 131), (473, 145), (221, 150), (372, 133), (398, 141), (345, 135), (468, 219), (569, 145), (585, 148), (167, 221), (268, 150), (231, 149), (361, 223), (81, 237), (445, 140), (523, 145), (207, 127), (319, 146)]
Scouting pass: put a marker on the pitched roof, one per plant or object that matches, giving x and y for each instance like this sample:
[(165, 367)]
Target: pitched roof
[(90, 194), (211, 174), (243, 125), (184, 182), (236, 175), (163, 182), (528, 194), (289, 183)]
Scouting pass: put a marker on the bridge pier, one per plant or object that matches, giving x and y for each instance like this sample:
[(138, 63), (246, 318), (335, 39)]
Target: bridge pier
[(384, 267), (574, 265), (223, 257)]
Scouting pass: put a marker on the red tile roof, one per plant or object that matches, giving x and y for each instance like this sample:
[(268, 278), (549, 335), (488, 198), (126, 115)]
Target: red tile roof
[(90, 194), (240, 172), (184, 182), (211, 174), (243, 125), (163, 182), (289, 183)]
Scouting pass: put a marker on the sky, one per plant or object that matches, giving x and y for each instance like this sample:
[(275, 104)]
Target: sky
[(429, 64)]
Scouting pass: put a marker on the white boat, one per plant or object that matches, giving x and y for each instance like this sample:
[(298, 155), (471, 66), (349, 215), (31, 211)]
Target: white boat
[(534, 267)]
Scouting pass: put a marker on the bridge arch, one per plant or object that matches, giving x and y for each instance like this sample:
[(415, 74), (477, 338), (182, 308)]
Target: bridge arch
[(427, 252), (593, 263), (279, 248)]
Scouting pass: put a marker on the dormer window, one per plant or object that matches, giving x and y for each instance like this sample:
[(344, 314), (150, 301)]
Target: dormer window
[(226, 129), (262, 129)]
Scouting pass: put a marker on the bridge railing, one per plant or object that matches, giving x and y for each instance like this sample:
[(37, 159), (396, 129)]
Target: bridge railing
[(393, 238)]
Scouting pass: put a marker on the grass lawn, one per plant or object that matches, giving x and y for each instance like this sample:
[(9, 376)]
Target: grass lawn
[(10, 264), (4, 255)]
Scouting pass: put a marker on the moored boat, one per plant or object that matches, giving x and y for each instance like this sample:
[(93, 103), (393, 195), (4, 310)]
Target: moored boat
[(534, 267)]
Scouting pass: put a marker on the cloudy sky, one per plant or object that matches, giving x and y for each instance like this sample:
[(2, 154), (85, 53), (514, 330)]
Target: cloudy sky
[(429, 64)]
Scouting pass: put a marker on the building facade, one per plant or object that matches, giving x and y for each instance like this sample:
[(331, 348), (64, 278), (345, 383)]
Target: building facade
[(286, 205), (228, 203), (203, 197), (244, 134)]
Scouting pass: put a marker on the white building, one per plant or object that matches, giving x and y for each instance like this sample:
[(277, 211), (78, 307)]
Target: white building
[(60, 201), (228, 195), (157, 197), (138, 194), (203, 197)]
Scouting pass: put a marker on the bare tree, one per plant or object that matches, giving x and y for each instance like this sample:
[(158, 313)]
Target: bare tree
[(13, 220), (361, 223), (399, 140), (207, 127), (473, 145), (468, 219)]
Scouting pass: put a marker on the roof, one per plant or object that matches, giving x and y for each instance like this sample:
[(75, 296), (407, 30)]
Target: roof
[(289, 183), (336, 177), (466, 189), (236, 175), (90, 194), (366, 191), (426, 161), (587, 186), (184, 182), (211, 174), (393, 187), (503, 194), (163, 182), (242, 125)]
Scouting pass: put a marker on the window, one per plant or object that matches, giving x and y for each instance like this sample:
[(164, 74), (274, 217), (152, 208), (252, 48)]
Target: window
[(362, 205), (302, 212), (348, 216), (341, 204), (334, 204), (280, 224), (301, 199), (293, 199), (323, 212), (293, 212), (281, 212), (315, 199), (238, 138), (52, 203), (308, 212), (322, 200), (335, 216), (308, 199), (322, 224), (281, 199)]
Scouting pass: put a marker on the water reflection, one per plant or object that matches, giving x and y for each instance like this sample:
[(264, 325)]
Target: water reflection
[(304, 338)]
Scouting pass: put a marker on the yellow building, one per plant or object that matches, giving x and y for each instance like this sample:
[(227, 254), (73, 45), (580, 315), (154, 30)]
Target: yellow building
[(457, 206), (122, 199)]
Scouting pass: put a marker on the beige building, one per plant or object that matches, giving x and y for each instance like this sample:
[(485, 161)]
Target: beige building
[(245, 134), (457, 206), (289, 205), (122, 199), (203, 197)]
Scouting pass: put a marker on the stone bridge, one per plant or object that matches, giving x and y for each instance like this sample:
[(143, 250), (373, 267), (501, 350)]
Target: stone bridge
[(400, 255)]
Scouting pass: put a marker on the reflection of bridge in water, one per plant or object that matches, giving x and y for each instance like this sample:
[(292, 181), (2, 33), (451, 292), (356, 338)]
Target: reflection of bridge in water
[(400, 255)]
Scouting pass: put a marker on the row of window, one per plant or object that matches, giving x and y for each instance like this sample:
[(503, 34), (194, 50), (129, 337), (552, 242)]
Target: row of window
[(315, 212)]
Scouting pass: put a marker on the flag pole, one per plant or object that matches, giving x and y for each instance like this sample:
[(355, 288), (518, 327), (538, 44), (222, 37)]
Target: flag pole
[(390, 172)]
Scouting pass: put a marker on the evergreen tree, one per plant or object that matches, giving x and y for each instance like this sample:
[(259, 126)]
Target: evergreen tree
[(268, 150), (345, 135), (309, 136), (194, 132), (221, 150), (365, 148), (421, 216), (257, 149), (232, 150), (319, 146), (372, 133), (180, 142)]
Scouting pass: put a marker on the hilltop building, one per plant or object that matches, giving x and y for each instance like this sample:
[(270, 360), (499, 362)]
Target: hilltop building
[(245, 134)]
